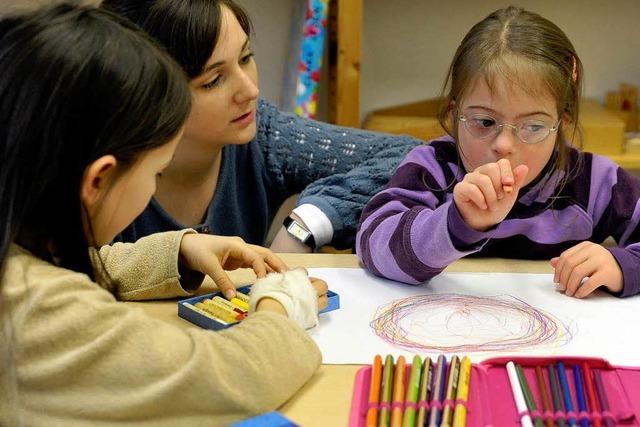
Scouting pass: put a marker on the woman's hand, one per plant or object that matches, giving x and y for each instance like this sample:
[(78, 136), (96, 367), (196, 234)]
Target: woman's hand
[(213, 255), (485, 196), (590, 261)]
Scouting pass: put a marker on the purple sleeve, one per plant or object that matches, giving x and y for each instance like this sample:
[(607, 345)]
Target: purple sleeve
[(629, 260), (614, 205), (411, 231)]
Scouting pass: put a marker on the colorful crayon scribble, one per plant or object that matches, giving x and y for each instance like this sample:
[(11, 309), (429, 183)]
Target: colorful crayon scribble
[(454, 323)]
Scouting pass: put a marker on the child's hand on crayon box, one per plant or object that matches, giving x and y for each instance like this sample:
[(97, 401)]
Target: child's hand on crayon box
[(485, 196), (212, 255), (321, 290), (583, 268), (293, 294), (320, 287)]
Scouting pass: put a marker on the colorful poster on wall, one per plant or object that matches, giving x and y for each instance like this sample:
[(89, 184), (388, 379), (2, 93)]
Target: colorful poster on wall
[(310, 61)]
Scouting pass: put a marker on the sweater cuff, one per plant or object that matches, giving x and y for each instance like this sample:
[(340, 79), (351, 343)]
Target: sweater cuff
[(190, 280), (629, 262), (463, 237), (317, 222)]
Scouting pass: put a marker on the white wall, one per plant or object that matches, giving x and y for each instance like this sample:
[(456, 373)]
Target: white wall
[(408, 44), (272, 24)]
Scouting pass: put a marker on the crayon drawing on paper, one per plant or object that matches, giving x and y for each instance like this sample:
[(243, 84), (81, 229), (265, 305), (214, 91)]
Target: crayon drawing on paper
[(453, 323), (483, 315)]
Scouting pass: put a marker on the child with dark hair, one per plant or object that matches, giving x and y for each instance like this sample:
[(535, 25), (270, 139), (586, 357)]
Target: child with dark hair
[(91, 111)]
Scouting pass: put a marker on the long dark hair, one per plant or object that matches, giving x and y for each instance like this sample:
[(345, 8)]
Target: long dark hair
[(76, 83), (188, 29)]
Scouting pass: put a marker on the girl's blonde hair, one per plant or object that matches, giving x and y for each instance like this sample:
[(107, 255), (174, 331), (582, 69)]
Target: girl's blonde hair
[(527, 51)]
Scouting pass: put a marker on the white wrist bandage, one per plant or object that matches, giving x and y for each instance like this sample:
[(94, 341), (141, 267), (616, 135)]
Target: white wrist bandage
[(294, 291)]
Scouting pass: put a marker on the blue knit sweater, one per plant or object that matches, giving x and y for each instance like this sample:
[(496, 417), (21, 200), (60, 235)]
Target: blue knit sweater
[(336, 169)]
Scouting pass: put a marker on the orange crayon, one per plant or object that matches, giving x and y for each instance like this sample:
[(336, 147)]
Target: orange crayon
[(374, 392), (399, 387)]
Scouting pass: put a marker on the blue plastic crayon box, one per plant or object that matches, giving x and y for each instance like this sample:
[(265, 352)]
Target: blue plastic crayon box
[(194, 317)]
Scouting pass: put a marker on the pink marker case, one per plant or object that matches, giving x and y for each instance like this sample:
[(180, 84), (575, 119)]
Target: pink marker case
[(491, 403)]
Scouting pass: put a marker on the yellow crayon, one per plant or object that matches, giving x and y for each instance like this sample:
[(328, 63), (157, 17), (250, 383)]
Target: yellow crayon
[(218, 311), (451, 391), (239, 303), (242, 297), (425, 391), (460, 413), (203, 313), (227, 304)]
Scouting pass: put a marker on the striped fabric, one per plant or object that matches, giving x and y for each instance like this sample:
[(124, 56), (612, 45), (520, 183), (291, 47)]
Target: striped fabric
[(412, 230)]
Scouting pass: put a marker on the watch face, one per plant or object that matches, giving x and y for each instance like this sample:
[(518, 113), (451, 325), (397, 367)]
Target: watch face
[(298, 232)]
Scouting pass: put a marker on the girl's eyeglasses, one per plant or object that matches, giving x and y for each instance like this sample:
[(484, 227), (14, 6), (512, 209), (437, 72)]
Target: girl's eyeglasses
[(482, 126)]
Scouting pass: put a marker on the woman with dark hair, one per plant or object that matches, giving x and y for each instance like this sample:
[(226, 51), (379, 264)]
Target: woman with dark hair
[(90, 112), (230, 176)]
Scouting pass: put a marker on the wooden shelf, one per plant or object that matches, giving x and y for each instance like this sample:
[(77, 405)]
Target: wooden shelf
[(345, 34)]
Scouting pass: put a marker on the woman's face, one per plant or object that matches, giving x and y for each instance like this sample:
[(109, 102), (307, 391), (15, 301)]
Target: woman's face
[(225, 94)]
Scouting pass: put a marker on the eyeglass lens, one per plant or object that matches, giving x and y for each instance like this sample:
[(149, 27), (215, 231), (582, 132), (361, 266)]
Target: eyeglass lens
[(529, 131)]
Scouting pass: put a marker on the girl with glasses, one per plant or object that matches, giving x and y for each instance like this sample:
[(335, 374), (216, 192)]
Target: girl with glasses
[(509, 180)]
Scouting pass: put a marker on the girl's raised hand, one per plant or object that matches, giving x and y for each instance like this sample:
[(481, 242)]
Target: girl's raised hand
[(212, 255), (485, 196), (590, 261)]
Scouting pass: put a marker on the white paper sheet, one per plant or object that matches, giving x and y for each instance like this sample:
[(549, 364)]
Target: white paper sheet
[(601, 325)]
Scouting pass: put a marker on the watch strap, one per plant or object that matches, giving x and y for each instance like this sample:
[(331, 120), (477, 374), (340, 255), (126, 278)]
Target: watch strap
[(309, 241)]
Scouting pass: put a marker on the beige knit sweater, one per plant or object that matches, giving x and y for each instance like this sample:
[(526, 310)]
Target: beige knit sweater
[(73, 355)]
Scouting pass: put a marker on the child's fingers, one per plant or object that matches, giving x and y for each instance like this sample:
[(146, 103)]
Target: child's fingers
[(590, 285), (219, 276), (506, 175), (492, 170), (259, 267), (568, 265), (320, 286), (273, 262), (323, 302), (471, 193), (321, 290), (554, 261), (519, 175), (567, 260), (579, 273), (486, 186)]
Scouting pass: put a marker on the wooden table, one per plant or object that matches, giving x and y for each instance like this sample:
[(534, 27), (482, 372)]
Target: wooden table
[(326, 399)]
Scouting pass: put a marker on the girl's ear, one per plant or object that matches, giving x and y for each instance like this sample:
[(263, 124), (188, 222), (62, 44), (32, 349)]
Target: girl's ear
[(97, 179)]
